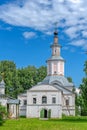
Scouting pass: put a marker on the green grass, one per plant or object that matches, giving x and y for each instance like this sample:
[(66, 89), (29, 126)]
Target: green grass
[(53, 124)]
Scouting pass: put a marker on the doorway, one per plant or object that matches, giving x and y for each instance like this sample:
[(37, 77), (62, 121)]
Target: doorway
[(43, 113)]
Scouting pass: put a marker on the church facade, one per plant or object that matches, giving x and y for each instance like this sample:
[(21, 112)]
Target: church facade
[(54, 95)]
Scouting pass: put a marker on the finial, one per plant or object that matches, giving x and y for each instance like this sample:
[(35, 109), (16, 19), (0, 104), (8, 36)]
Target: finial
[(56, 28)]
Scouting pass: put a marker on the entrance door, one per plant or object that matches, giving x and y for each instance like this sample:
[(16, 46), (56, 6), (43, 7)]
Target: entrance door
[(43, 113)]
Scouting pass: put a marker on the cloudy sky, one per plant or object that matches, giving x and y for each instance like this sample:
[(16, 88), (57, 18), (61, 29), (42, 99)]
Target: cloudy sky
[(26, 32)]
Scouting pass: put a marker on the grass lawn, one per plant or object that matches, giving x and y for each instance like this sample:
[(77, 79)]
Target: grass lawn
[(53, 124)]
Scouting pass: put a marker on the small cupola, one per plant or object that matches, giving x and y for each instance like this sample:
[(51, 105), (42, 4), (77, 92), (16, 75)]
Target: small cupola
[(2, 87)]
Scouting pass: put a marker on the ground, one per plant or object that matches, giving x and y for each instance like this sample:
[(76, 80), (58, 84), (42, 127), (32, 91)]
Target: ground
[(37, 124)]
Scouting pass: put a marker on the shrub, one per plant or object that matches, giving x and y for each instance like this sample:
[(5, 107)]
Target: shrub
[(3, 114)]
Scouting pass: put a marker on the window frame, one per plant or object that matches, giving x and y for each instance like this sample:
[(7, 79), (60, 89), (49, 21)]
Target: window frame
[(34, 100), (24, 102), (53, 100), (44, 100), (67, 102)]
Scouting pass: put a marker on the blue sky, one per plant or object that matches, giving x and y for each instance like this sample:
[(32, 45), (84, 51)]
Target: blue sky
[(26, 33)]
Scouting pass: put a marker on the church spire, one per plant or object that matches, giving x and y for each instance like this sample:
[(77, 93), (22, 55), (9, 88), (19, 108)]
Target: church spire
[(56, 34), (55, 65), (55, 46)]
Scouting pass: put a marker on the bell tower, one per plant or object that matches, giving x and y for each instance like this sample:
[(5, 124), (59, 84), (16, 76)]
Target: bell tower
[(55, 65)]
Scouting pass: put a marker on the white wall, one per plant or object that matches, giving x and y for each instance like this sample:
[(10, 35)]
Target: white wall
[(3, 101), (13, 110), (22, 107), (2, 90), (69, 110), (33, 110)]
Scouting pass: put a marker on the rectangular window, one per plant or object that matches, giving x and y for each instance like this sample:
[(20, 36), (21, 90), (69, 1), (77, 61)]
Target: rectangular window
[(53, 100), (44, 100), (34, 100), (25, 102), (67, 102)]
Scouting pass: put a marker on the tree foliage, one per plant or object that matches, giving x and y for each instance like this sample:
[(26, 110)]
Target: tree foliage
[(2, 114), (83, 88), (19, 80), (69, 79)]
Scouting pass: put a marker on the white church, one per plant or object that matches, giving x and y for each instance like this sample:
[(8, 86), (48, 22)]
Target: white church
[(54, 95)]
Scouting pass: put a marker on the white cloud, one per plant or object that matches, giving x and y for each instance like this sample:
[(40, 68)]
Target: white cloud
[(65, 48), (85, 47), (5, 28), (76, 1), (82, 43), (78, 43), (84, 33), (72, 32), (29, 35), (42, 14)]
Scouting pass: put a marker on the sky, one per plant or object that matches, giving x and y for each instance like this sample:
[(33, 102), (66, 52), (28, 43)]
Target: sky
[(26, 33)]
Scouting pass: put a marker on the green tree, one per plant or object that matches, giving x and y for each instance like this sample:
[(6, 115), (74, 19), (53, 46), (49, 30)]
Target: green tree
[(3, 114), (19, 80), (30, 76), (69, 79), (9, 74), (27, 77), (41, 73), (83, 88), (85, 68)]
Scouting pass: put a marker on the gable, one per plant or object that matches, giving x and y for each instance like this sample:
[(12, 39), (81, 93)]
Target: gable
[(43, 88)]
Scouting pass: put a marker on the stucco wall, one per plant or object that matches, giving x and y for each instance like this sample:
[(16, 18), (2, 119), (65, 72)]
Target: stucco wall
[(2, 90), (22, 107), (33, 110)]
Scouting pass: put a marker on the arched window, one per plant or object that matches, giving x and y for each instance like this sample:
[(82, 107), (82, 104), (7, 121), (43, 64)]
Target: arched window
[(44, 99)]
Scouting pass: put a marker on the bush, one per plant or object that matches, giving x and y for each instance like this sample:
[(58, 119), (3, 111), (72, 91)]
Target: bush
[(3, 114)]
